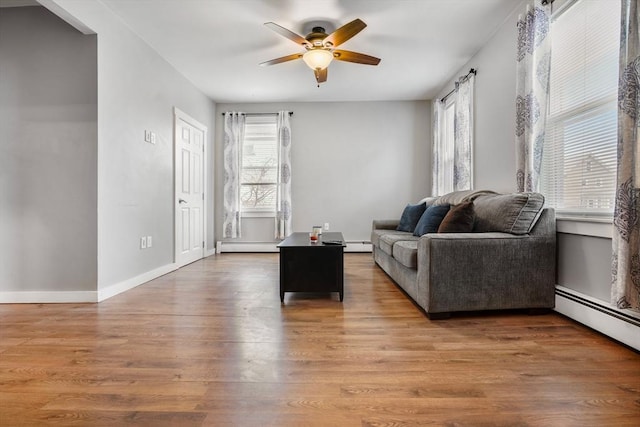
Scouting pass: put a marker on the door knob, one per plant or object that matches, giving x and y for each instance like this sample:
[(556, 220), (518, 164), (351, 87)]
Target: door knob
[(182, 201)]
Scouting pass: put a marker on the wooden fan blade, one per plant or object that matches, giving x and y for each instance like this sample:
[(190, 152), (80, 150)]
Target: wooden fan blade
[(344, 33), (282, 59), (321, 75), (360, 58), (287, 33)]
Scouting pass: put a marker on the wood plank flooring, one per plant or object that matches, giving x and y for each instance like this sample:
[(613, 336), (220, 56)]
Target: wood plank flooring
[(211, 345)]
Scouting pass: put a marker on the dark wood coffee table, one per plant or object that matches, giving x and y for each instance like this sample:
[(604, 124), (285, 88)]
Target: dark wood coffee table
[(312, 267)]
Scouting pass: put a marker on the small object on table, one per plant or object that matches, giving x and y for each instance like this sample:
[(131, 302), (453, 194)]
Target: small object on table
[(333, 242)]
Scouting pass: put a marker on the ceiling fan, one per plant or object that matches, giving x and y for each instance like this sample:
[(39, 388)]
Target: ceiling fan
[(321, 47)]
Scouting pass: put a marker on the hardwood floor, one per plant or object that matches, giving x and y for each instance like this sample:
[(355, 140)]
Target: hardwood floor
[(211, 345)]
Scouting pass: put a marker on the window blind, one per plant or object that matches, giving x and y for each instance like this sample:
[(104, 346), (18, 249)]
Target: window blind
[(259, 164), (579, 157)]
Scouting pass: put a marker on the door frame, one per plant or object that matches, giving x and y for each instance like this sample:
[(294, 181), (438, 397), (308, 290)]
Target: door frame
[(181, 115)]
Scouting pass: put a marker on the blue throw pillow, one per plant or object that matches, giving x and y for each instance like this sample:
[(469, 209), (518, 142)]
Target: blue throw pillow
[(410, 217), (430, 220)]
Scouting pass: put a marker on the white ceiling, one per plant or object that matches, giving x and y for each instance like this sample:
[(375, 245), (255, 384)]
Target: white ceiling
[(218, 44)]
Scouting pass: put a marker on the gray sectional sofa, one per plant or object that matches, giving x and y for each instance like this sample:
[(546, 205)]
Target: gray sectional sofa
[(508, 261)]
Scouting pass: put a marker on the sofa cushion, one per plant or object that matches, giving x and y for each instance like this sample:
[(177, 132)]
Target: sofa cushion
[(430, 220), (387, 241), (410, 217), (406, 253), (376, 234), (514, 213), (459, 219)]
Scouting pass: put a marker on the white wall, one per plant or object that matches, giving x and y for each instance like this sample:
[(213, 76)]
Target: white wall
[(48, 154), (137, 90), (352, 162)]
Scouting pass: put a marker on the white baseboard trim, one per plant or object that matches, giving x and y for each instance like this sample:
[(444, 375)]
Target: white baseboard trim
[(358, 247), (246, 247), (133, 282), (209, 252), (272, 247), (47, 297), (621, 325)]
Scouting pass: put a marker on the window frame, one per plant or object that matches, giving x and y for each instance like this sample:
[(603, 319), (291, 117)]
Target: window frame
[(580, 215)]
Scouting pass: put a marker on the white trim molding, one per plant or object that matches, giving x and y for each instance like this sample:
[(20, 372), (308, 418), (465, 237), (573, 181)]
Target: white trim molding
[(621, 325), (585, 227), (133, 282), (48, 297), (65, 297)]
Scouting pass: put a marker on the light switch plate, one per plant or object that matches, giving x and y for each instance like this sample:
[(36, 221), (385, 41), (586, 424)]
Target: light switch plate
[(153, 138), (149, 241), (147, 136), (143, 243)]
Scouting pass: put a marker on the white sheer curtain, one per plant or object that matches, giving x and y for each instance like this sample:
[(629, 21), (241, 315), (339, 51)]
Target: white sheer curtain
[(437, 169), (452, 151), (532, 92), (283, 194), (625, 291), (233, 137), (463, 133)]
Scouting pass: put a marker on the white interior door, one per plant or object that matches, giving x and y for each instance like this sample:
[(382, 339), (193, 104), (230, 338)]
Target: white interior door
[(189, 189)]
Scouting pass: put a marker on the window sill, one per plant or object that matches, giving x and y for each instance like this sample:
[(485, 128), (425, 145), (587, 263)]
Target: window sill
[(595, 227), (258, 215)]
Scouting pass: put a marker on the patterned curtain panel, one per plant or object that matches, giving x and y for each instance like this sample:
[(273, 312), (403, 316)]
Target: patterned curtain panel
[(233, 137), (625, 292), (463, 134), (532, 92), (283, 195), (437, 185)]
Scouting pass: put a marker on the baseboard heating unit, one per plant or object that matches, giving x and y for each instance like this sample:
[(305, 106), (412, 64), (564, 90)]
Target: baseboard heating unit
[(621, 325)]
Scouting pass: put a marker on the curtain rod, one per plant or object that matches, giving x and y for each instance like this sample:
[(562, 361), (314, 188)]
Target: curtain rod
[(471, 71), (262, 114)]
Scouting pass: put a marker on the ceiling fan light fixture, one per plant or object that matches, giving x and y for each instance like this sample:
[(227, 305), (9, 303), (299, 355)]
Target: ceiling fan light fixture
[(317, 59)]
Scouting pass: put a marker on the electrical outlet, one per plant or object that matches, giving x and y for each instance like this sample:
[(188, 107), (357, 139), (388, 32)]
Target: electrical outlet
[(149, 241), (147, 136), (153, 138), (326, 226), (143, 243)]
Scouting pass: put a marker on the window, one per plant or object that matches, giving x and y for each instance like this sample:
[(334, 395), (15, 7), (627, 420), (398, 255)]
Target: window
[(258, 179), (578, 173)]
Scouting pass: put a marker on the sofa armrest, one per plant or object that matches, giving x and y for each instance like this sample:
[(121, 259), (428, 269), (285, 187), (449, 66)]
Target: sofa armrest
[(482, 271), (385, 224)]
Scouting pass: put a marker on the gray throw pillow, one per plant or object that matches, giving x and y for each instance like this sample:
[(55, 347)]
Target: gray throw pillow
[(410, 217), (515, 213)]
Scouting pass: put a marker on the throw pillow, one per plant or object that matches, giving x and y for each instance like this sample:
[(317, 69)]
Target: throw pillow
[(410, 217), (459, 219), (515, 213), (430, 220)]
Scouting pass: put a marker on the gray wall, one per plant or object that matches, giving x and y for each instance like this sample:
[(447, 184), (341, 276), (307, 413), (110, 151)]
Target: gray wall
[(137, 90), (48, 154), (583, 261), (351, 162)]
